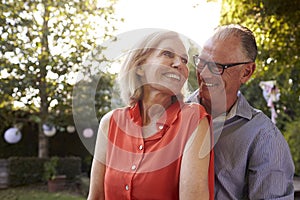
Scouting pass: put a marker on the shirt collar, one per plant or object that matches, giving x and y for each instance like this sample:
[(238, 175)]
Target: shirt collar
[(167, 119), (162, 124), (240, 108), (243, 108), (135, 115)]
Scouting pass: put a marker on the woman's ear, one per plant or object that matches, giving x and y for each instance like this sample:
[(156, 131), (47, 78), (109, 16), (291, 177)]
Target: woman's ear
[(247, 72), (140, 71)]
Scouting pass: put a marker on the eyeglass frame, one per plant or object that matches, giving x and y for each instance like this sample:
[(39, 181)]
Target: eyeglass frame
[(224, 66)]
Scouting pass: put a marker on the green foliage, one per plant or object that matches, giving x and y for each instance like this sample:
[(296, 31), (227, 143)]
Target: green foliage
[(42, 46), (192, 80), (34, 192), (50, 168), (29, 170), (292, 135), (69, 166), (25, 170)]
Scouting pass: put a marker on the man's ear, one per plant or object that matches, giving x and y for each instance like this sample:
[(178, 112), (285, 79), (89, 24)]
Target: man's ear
[(247, 72)]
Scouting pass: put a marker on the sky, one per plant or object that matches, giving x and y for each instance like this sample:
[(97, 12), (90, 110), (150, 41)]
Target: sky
[(193, 18)]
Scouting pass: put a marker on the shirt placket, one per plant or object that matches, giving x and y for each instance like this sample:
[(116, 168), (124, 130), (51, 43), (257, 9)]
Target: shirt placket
[(138, 153)]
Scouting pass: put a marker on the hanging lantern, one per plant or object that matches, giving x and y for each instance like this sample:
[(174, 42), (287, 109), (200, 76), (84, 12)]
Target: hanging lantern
[(70, 129), (12, 135), (88, 133), (49, 130)]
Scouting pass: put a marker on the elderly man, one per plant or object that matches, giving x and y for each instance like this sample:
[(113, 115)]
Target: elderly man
[(252, 158)]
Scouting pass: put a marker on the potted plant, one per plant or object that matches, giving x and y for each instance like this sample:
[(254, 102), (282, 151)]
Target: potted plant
[(55, 181)]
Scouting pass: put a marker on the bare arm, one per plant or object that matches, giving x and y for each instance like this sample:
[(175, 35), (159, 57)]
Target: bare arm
[(195, 163), (96, 190)]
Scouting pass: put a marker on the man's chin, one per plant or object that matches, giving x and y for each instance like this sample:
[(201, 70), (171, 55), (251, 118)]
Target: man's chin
[(213, 106)]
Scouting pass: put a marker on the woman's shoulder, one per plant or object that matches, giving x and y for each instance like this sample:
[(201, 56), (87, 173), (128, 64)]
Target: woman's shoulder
[(104, 122), (194, 107), (194, 111), (192, 104), (106, 117)]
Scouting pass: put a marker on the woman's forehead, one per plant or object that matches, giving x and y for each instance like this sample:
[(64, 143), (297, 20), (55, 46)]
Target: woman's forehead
[(173, 44)]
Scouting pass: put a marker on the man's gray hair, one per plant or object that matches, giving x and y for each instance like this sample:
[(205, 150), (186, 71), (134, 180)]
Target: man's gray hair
[(248, 42)]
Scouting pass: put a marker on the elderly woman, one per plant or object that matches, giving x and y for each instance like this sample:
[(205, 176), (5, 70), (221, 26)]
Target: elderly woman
[(158, 147)]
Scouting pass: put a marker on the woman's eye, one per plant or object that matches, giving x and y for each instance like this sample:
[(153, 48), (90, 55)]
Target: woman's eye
[(168, 53), (184, 60)]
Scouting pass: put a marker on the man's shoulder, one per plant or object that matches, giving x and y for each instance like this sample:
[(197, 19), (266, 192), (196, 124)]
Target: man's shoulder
[(255, 120), (246, 110)]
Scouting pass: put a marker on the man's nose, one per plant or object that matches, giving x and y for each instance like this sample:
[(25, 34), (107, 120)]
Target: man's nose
[(205, 72)]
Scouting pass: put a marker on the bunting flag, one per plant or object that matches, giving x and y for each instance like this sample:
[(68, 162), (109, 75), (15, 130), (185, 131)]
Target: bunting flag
[(271, 94)]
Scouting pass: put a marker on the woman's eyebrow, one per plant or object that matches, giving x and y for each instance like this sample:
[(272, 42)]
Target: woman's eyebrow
[(173, 51)]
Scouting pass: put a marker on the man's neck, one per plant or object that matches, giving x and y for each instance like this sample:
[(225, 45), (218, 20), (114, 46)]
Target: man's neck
[(229, 113)]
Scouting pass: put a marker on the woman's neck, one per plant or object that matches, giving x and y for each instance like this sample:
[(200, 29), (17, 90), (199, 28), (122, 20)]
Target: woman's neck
[(152, 106)]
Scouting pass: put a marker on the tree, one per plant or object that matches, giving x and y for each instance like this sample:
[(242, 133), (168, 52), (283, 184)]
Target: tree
[(43, 44)]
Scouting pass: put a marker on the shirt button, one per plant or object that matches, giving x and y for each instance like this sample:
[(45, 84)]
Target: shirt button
[(160, 127), (141, 147), (133, 167), (127, 187)]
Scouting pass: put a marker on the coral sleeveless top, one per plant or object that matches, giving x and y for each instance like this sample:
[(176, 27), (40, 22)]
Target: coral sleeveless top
[(149, 168)]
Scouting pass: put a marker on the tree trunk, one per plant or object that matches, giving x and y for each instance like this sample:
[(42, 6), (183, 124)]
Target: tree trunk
[(44, 61), (43, 143)]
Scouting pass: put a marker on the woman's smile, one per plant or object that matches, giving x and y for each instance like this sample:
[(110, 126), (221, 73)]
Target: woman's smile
[(173, 76)]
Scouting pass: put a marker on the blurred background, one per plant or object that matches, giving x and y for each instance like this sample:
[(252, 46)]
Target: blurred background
[(44, 45)]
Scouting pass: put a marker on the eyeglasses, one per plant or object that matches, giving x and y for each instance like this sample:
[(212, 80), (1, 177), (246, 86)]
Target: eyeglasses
[(215, 68)]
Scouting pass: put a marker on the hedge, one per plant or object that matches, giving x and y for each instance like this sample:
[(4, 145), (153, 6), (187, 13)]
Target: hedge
[(29, 170)]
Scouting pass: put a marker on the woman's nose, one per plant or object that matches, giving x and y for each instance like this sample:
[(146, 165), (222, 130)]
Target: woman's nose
[(177, 62)]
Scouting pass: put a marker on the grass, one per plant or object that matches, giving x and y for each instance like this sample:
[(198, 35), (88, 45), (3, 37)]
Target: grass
[(39, 192)]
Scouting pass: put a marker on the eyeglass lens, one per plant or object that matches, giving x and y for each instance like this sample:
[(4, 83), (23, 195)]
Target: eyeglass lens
[(213, 67)]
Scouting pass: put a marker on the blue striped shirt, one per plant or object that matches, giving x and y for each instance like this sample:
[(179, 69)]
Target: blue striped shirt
[(252, 158)]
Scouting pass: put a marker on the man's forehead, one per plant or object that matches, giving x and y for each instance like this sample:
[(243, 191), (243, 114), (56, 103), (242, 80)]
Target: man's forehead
[(211, 45), (209, 49), (221, 49)]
